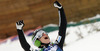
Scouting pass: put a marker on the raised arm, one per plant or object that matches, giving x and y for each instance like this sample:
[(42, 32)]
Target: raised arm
[(62, 25), (21, 36)]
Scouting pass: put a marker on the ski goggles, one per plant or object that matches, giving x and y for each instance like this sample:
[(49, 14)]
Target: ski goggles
[(39, 34)]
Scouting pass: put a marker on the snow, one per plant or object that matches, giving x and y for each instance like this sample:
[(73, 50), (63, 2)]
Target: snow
[(78, 38), (91, 43)]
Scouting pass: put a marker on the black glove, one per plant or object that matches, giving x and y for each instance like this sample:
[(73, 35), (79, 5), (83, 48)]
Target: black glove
[(57, 4), (20, 25)]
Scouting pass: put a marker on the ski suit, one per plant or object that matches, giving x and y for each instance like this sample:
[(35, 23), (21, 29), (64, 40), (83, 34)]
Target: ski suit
[(51, 47)]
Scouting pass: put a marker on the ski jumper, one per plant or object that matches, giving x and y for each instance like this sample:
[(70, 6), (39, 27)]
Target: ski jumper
[(51, 47)]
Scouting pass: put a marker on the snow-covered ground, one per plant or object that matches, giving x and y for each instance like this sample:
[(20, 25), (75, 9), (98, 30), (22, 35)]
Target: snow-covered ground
[(78, 38), (90, 43), (81, 38)]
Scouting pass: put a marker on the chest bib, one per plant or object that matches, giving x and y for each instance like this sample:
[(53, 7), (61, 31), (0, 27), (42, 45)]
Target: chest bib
[(53, 48)]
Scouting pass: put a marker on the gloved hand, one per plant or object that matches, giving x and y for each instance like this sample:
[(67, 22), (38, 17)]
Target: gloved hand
[(57, 4), (20, 25)]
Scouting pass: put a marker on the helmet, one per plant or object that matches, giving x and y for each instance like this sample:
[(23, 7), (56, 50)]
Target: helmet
[(36, 35)]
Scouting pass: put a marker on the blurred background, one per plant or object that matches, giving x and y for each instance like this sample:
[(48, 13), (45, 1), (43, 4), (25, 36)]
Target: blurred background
[(42, 12)]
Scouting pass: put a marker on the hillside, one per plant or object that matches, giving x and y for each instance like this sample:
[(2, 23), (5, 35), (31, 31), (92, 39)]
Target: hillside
[(41, 12)]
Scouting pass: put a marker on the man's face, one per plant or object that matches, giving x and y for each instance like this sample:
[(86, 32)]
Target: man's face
[(45, 39)]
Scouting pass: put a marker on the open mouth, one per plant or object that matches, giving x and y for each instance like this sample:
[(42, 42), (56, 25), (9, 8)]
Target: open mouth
[(46, 38)]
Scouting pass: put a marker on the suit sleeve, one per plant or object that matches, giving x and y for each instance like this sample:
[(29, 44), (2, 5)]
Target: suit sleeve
[(23, 41), (62, 28)]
